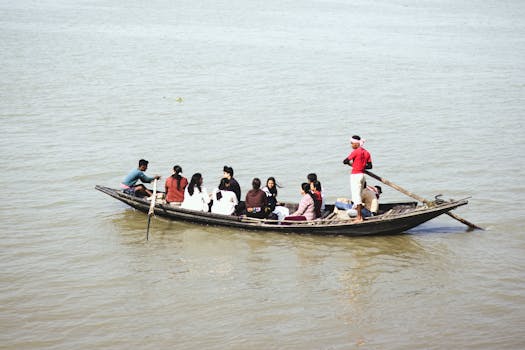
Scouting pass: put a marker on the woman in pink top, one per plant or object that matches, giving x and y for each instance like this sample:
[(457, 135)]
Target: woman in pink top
[(307, 205)]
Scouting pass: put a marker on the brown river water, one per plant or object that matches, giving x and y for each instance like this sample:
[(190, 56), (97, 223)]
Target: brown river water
[(273, 89)]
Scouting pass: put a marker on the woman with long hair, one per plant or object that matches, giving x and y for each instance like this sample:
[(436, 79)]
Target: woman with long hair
[(307, 206), (271, 195), (195, 195), (175, 186), (315, 189), (315, 186)]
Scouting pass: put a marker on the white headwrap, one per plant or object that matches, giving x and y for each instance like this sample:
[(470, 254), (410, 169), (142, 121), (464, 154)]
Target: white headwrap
[(360, 142)]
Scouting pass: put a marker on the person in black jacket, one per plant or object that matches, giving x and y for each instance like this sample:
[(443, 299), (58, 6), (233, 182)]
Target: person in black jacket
[(234, 185)]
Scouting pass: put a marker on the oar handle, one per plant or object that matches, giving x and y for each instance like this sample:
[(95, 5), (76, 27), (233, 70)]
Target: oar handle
[(153, 199), (419, 198), (397, 187), (151, 207)]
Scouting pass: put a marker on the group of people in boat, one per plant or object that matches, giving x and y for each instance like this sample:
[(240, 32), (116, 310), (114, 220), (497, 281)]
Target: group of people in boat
[(260, 203)]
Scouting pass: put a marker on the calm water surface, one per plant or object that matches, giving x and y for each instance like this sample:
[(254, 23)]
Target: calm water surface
[(274, 89)]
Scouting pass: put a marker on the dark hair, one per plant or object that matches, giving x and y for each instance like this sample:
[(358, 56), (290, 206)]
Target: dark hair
[(228, 169), (306, 187), (311, 177), (256, 183), (224, 182), (195, 181), (356, 137), (143, 162), (273, 190), (317, 204), (177, 169), (317, 186)]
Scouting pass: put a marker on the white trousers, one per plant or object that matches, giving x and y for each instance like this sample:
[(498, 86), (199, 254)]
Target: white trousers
[(357, 182)]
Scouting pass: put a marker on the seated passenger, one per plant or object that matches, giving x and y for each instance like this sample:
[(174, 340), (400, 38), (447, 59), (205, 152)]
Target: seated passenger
[(256, 204), (315, 188), (370, 196), (307, 205), (175, 186), (195, 195), (129, 184), (224, 200), (271, 193), (315, 185), (234, 185)]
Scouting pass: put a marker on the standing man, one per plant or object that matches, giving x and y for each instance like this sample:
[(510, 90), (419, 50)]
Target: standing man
[(129, 184), (359, 160)]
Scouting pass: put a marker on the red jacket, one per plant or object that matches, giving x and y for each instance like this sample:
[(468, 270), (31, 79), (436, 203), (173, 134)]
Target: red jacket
[(172, 193)]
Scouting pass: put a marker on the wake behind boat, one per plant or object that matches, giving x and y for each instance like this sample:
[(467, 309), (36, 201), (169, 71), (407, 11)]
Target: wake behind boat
[(392, 218)]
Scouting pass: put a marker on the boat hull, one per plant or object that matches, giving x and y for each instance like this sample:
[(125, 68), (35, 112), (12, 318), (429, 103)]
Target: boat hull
[(380, 225)]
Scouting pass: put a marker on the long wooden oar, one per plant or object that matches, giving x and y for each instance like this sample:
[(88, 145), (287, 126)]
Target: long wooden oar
[(152, 207), (421, 199)]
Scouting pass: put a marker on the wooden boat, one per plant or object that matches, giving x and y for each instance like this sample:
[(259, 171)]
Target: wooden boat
[(393, 218)]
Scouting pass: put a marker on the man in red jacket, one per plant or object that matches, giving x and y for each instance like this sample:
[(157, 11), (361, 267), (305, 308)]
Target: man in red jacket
[(359, 160)]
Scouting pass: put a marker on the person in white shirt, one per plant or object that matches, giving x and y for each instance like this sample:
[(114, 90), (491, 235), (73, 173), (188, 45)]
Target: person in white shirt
[(224, 199), (195, 195)]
